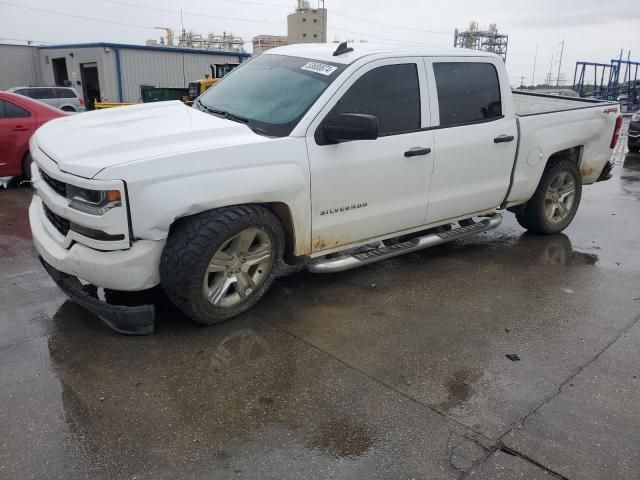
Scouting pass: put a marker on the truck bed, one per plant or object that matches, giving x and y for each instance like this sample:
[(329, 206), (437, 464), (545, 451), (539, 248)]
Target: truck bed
[(528, 103), (548, 124)]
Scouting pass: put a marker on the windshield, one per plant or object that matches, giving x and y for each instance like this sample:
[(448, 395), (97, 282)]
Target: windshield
[(270, 93)]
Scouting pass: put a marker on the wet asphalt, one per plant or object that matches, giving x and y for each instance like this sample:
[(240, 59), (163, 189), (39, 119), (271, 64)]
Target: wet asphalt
[(395, 370)]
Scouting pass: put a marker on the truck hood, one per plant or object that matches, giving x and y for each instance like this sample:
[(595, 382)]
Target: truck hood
[(86, 143)]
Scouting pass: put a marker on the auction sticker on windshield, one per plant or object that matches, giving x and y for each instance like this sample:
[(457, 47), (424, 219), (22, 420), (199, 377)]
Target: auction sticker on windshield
[(321, 68)]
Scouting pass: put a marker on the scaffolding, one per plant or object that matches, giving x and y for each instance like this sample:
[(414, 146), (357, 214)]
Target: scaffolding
[(616, 81), (226, 42), (487, 40)]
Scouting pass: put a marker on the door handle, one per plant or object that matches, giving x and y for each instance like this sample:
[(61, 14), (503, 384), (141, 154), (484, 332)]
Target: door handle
[(417, 151), (20, 128), (504, 139)]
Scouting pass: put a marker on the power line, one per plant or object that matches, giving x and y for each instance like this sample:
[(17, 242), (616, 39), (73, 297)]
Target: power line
[(387, 39), (439, 32), (81, 17), (23, 40), (191, 14), (158, 9)]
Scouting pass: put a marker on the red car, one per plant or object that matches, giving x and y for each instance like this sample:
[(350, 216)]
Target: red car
[(19, 118)]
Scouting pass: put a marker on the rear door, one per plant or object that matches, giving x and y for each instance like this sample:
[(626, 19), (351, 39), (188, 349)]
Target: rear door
[(45, 95), (66, 97), (368, 188), (475, 136)]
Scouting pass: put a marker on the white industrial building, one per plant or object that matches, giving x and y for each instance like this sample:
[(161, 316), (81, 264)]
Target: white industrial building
[(108, 71)]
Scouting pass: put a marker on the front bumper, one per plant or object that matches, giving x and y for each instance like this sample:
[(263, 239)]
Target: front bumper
[(128, 320), (130, 270)]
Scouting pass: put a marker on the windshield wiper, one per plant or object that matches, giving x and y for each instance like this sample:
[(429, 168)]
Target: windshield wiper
[(237, 118), (231, 116), (224, 113)]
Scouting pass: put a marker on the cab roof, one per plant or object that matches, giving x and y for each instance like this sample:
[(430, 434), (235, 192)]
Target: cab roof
[(324, 51)]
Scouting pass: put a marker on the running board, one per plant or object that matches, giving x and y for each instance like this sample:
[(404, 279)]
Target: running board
[(347, 262)]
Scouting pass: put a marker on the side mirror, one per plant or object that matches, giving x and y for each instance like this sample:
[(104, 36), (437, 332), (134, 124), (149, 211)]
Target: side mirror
[(346, 127)]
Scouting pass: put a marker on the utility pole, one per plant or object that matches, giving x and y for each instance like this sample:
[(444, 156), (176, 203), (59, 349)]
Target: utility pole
[(548, 76), (533, 74), (560, 63)]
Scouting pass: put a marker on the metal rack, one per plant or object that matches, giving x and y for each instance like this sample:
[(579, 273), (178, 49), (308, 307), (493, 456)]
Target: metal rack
[(617, 81), (487, 40)]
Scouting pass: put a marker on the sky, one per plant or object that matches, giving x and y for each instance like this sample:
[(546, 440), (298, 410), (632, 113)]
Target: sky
[(592, 30)]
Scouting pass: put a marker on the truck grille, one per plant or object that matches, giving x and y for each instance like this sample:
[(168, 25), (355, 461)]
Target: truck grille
[(61, 224), (57, 185)]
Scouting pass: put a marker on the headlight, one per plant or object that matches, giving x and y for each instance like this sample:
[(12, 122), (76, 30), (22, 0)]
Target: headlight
[(635, 117), (95, 202)]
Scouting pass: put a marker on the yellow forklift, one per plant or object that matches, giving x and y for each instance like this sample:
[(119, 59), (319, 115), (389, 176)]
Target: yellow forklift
[(198, 87)]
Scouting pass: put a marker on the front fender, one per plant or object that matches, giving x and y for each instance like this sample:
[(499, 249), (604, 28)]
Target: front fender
[(162, 190)]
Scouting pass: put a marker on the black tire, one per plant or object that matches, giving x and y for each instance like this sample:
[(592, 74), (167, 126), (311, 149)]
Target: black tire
[(68, 109), (191, 245), (532, 215), (26, 167), (634, 149)]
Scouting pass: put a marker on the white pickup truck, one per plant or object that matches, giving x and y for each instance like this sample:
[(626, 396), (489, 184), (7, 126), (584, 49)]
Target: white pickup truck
[(313, 155)]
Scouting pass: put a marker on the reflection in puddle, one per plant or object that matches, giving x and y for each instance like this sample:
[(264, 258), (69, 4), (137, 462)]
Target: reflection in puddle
[(554, 250), (243, 346)]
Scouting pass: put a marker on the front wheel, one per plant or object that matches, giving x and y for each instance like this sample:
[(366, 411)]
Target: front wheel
[(218, 264), (555, 202)]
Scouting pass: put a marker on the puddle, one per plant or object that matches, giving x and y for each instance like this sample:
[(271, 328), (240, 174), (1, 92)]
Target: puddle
[(342, 437)]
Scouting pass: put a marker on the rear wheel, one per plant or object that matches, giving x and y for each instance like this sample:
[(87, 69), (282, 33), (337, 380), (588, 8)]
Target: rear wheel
[(555, 202), (634, 149), (68, 109), (218, 264), (26, 167)]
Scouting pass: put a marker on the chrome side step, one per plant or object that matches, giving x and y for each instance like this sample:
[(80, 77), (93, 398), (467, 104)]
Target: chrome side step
[(347, 262)]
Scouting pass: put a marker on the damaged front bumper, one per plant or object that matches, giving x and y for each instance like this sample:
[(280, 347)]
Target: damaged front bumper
[(125, 319)]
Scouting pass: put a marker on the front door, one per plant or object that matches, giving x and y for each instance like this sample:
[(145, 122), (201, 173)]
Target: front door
[(90, 84), (60, 74), (368, 188), (16, 127), (475, 141)]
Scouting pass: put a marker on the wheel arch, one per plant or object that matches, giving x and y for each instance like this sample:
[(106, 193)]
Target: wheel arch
[(280, 209), (572, 153)]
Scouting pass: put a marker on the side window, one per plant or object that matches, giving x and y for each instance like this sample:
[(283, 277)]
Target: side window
[(24, 92), (41, 93), (11, 110), (467, 92), (391, 93), (65, 93)]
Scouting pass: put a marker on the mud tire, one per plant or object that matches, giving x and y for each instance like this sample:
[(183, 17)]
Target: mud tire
[(532, 215), (193, 241)]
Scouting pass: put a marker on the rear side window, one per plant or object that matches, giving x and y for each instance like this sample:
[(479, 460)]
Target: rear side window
[(41, 93), (391, 93), (467, 92), (65, 93), (11, 110)]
